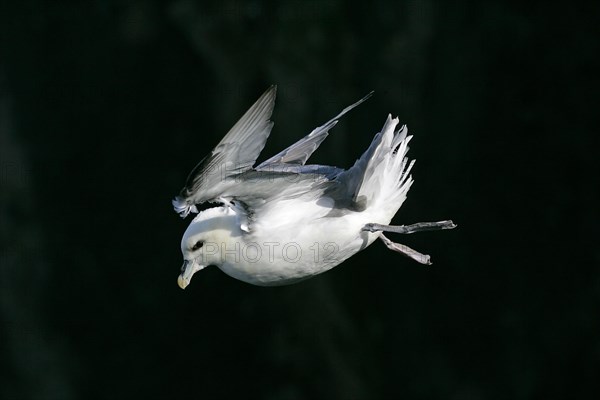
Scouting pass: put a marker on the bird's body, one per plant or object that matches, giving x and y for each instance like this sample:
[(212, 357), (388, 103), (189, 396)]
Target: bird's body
[(287, 246), (282, 221)]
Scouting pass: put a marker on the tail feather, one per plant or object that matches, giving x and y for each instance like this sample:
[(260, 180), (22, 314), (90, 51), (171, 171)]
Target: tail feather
[(381, 174)]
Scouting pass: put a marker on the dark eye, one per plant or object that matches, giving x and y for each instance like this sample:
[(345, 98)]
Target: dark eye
[(198, 245)]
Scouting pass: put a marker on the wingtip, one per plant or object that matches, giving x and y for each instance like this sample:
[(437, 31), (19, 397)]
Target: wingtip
[(182, 208), (267, 99), (365, 98)]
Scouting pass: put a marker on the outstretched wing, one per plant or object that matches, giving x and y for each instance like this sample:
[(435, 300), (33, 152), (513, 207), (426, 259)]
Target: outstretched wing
[(299, 152), (236, 153), (226, 174)]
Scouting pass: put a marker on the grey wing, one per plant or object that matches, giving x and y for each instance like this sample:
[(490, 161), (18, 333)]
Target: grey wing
[(236, 153), (323, 170), (299, 152)]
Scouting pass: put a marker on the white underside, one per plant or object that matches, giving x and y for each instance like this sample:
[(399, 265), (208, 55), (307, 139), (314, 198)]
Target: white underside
[(306, 244)]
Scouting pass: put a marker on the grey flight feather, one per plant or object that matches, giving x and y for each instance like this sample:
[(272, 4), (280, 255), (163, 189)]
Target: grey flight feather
[(236, 153), (324, 170), (300, 151)]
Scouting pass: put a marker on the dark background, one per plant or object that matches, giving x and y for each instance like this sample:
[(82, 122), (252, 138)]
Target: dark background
[(105, 106)]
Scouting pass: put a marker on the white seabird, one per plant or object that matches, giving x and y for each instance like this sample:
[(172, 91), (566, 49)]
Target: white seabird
[(282, 221)]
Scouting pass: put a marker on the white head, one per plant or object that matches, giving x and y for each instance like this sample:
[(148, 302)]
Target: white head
[(203, 238)]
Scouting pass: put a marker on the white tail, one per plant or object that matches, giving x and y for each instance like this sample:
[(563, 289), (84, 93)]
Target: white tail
[(381, 174)]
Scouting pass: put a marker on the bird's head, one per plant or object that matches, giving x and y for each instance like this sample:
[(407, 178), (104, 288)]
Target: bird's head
[(203, 240)]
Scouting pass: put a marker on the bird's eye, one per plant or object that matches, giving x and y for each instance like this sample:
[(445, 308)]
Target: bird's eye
[(198, 245)]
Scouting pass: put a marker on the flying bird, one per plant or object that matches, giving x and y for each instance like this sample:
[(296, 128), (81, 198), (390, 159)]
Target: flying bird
[(283, 221)]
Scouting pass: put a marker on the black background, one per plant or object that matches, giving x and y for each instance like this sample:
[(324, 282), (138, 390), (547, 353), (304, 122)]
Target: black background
[(105, 106)]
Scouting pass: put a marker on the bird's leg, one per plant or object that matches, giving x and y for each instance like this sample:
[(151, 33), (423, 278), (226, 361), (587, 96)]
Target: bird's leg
[(407, 251), (406, 229)]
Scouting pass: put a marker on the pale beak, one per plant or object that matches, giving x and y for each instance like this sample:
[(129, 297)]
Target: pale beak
[(189, 268)]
